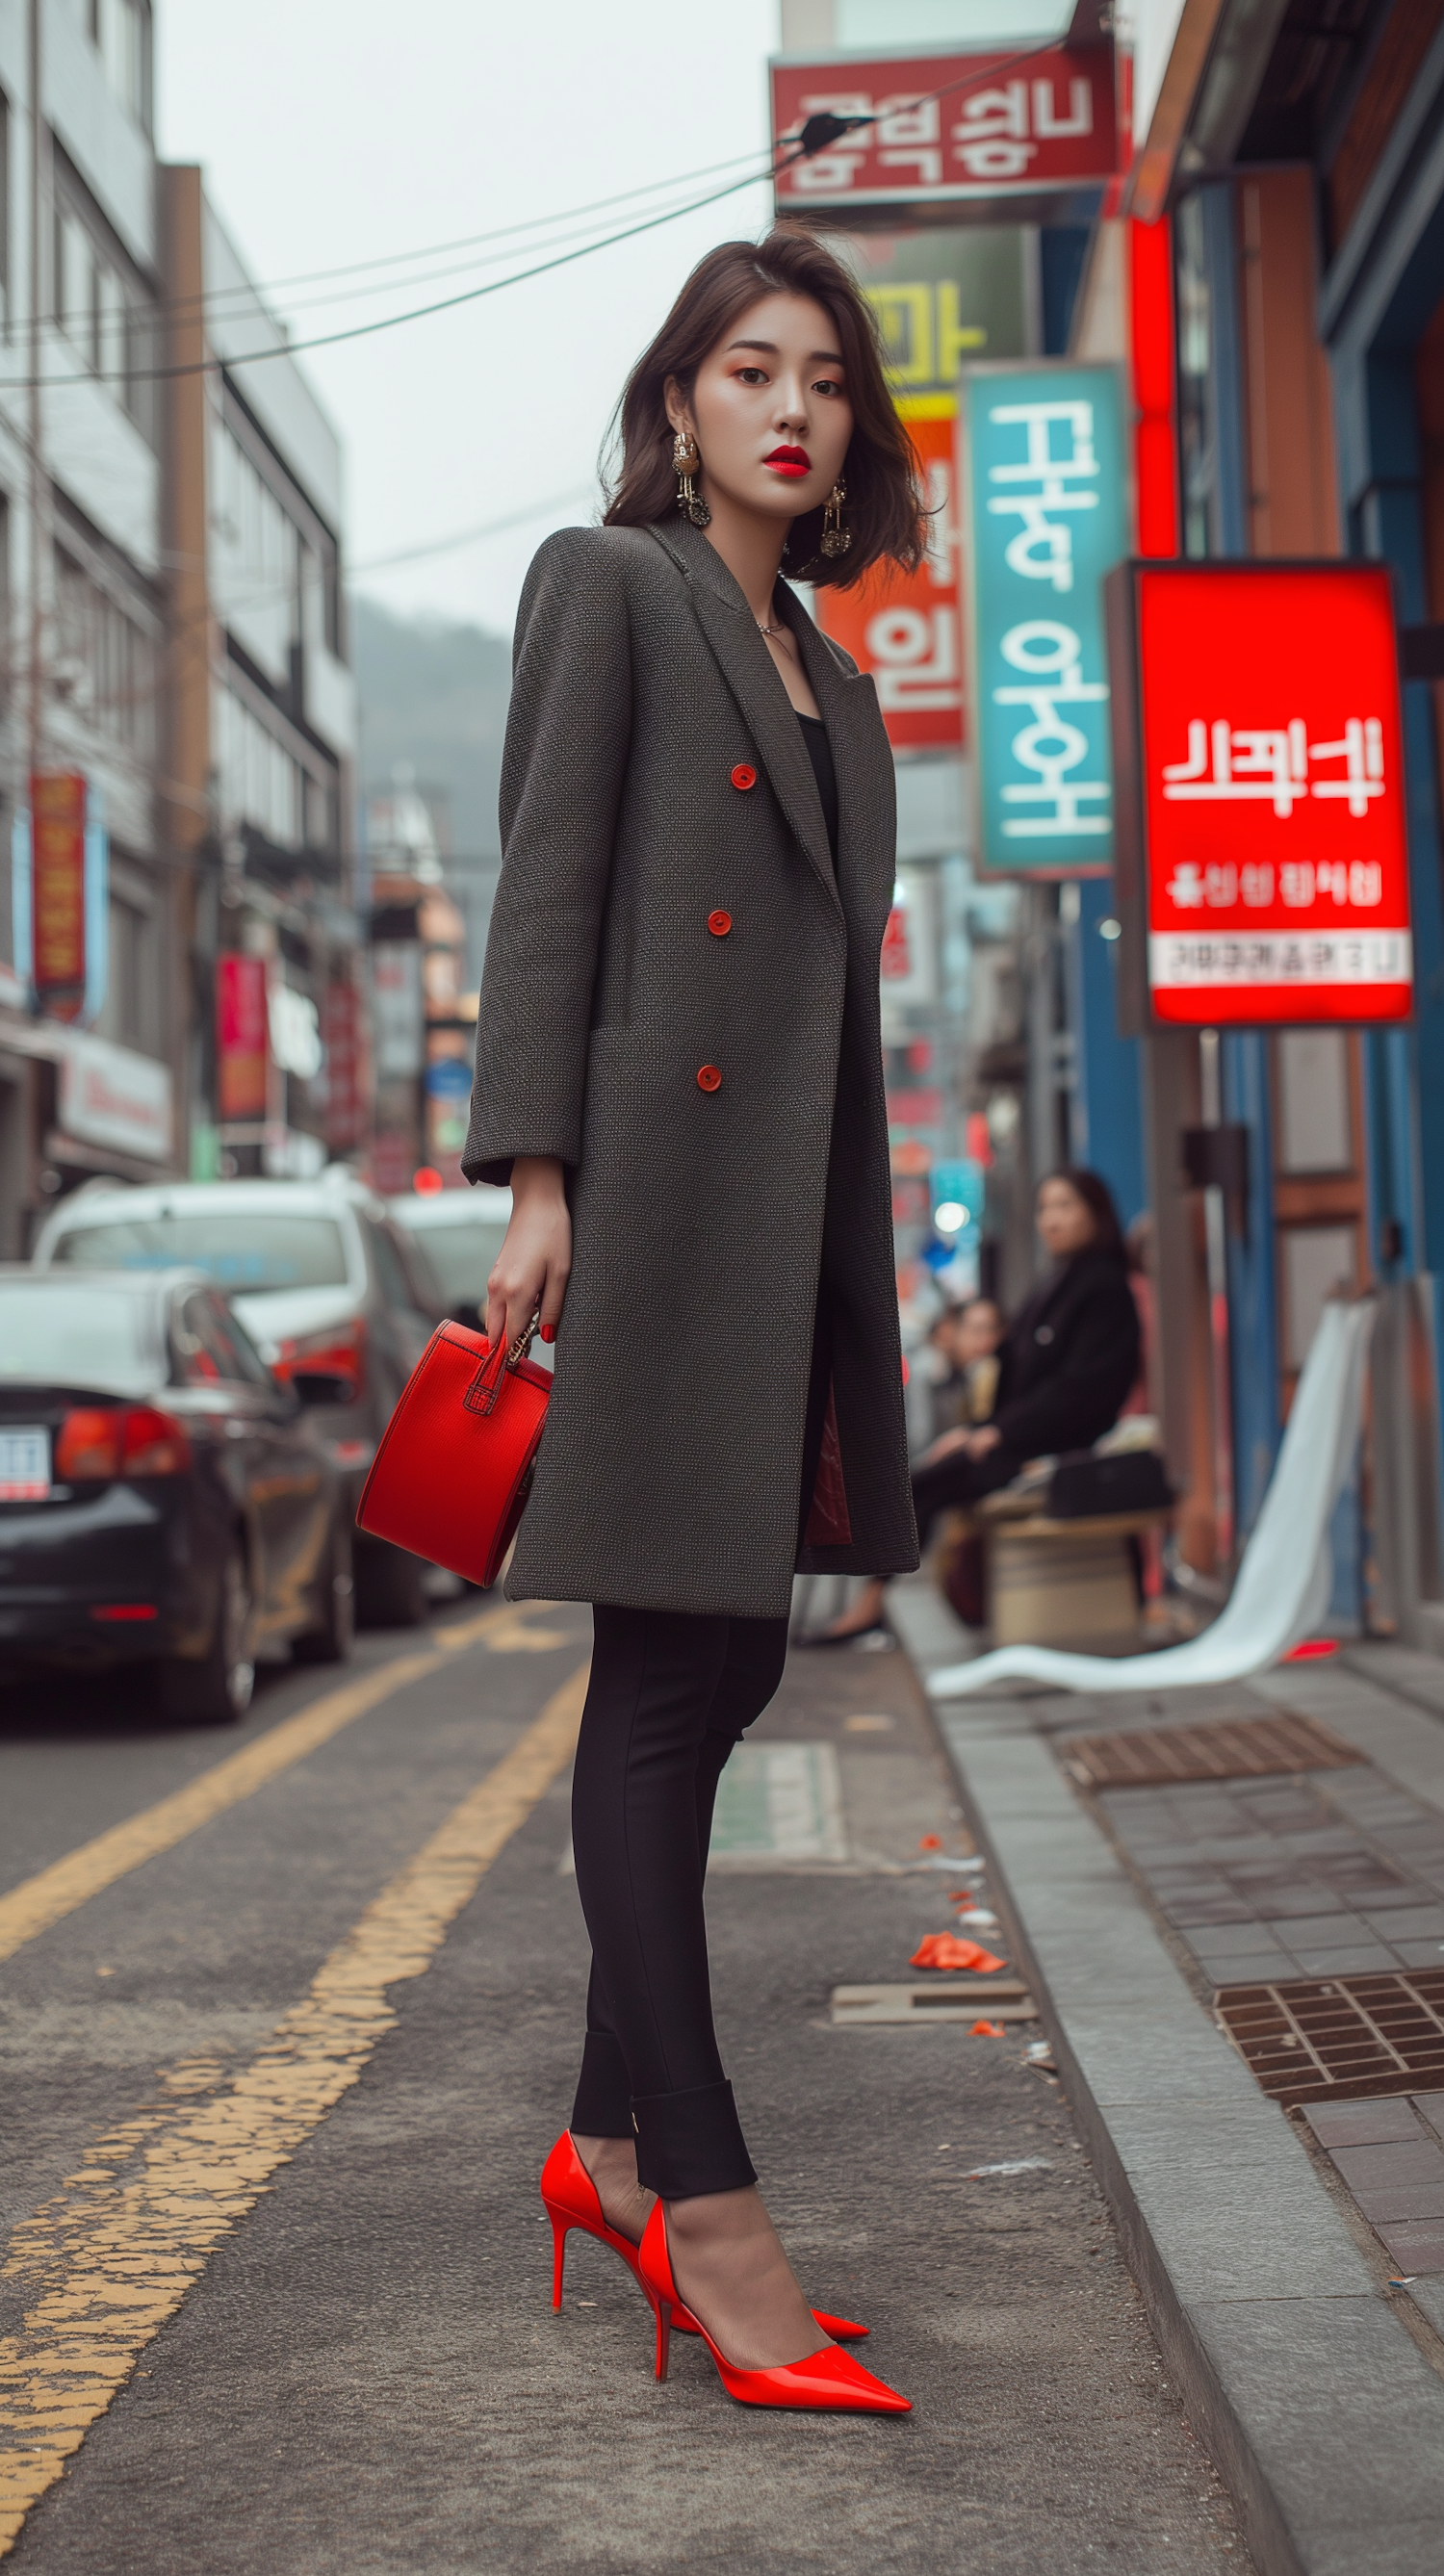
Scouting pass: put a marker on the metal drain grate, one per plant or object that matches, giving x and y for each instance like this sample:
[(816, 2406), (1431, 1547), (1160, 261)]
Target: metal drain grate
[(1247, 1748), (1339, 2039), (949, 1999)]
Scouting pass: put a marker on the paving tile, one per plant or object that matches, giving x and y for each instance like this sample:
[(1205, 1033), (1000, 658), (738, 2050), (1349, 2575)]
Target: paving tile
[(1405, 1922), (1364, 2124), (1380, 2164), (1323, 1931), (1430, 2107), (1417, 2245), (1198, 1911), (1228, 1940), (1360, 1960), (1420, 1954), (1253, 1968)]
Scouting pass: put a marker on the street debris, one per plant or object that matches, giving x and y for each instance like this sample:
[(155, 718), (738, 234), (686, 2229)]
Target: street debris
[(945, 1950), (1015, 2165), (987, 2030), (1039, 2053)]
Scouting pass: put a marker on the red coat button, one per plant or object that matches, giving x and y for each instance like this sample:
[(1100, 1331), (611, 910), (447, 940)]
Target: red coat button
[(744, 777), (708, 1078), (719, 923)]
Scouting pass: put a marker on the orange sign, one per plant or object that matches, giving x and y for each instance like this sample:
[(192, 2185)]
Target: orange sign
[(57, 827), (904, 627)]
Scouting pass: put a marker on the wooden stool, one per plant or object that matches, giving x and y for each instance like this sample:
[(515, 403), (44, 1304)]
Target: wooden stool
[(1061, 1583)]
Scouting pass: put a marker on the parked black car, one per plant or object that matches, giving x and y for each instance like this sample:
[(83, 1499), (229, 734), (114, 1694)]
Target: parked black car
[(164, 1500), (322, 1281)]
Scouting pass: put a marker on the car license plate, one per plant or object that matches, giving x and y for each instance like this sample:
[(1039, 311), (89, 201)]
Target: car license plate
[(24, 1465)]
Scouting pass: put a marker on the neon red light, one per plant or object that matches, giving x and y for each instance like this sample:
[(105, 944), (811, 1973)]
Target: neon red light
[(119, 1612), (1151, 324)]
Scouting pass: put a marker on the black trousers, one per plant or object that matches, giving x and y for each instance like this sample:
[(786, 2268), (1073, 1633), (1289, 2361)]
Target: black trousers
[(957, 1481), (671, 1692)]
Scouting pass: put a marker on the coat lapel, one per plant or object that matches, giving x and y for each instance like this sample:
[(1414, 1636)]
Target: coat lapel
[(756, 684)]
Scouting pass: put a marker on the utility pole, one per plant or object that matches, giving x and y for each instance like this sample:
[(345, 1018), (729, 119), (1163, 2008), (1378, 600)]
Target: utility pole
[(35, 704)]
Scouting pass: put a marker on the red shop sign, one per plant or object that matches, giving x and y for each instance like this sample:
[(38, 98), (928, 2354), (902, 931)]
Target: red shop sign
[(241, 1080), (1263, 859), (1000, 129)]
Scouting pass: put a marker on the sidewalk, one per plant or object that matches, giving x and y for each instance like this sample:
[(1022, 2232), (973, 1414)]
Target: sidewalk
[(1313, 2374)]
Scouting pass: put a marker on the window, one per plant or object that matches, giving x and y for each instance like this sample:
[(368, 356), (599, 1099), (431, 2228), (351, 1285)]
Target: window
[(133, 1010), (120, 33), (257, 558), (101, 308), (105, 658), (260, 783)]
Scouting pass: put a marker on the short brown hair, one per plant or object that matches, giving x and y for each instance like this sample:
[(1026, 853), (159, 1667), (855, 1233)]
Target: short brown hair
[(884, 494)]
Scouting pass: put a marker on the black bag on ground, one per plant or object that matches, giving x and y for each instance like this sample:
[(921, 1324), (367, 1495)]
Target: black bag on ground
[(1083, 1486)]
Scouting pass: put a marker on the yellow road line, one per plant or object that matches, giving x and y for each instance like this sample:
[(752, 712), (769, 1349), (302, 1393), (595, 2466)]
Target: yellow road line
[(110, 2258), (55, 1892)]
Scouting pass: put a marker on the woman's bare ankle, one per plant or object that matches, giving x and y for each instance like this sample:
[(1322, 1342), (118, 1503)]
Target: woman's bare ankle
[(612, 2164), (729, 2267)]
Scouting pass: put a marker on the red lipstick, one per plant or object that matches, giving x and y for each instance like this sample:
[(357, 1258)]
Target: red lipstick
[(791, 461)]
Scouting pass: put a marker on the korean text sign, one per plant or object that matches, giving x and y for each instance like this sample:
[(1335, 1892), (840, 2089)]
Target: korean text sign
[(1270, 788), (1000, 128), (903, 627), (57, 809), (1044, 515)]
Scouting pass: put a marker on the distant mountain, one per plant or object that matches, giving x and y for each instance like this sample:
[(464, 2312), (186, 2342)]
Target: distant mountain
[(434, 694)]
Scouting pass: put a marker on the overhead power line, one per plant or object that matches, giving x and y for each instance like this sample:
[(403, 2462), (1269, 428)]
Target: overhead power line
[(817, 133)]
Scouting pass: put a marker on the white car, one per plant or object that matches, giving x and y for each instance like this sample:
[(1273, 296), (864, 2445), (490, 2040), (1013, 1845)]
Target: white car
[(461, 1233), (325, 1284)]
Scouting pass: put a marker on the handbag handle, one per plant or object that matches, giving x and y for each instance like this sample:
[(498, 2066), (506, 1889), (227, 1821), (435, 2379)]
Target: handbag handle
[(481, 1395)]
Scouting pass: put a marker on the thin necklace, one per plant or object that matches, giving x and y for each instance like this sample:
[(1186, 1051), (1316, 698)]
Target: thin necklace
[(770, 630)]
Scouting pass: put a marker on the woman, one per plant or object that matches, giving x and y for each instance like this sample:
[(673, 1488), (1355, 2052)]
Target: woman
[(1069, 1359), (679, 1072)]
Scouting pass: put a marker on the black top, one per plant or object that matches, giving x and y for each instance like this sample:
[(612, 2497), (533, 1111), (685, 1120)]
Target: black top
[(1069, 1359), (819, 752)]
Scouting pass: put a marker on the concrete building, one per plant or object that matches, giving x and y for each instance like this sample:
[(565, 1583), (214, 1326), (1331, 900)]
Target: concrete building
[(258, 791), (83, 599)]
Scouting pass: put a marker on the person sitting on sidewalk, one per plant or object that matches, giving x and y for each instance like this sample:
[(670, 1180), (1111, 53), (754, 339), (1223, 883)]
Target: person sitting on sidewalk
[(967, 1337), (1068, 1361)]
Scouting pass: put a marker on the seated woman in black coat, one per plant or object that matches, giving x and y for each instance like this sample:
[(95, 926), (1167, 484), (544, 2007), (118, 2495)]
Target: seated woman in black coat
[(1069, 1359)]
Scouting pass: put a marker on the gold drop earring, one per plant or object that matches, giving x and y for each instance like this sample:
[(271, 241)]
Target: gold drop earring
[(835, 538), (686, 459)]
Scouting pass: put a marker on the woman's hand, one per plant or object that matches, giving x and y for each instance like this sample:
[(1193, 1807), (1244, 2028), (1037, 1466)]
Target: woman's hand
[(973, 1444), (982, 1442), (534, 1264)]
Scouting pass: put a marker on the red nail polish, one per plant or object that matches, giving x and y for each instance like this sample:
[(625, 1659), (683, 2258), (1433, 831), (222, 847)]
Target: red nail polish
[(548, 1332)]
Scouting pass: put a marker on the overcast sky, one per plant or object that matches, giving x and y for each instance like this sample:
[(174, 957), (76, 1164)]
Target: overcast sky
[(338, 131)]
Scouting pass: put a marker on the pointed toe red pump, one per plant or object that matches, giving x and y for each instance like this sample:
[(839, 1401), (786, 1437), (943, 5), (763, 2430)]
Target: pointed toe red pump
[(827, 2381), (570, 2199)]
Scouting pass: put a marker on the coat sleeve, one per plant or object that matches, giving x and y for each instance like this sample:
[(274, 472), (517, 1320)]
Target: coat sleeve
[(1081, 1397), (568, 735)]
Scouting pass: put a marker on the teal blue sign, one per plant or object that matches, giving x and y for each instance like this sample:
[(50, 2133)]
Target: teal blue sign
[(1045, 517), (958, 1190)]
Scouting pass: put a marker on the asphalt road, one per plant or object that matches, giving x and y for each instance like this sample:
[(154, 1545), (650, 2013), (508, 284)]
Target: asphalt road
[(276, 2294)]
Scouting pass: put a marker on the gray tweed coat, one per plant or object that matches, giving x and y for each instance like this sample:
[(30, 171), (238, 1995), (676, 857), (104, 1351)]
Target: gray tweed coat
[(655, 774)]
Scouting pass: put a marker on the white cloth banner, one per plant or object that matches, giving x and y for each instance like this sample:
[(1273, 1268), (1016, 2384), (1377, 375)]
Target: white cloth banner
[(1285, 1579)]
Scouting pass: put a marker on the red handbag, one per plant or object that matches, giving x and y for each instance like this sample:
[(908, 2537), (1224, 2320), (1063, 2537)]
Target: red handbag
[(451, 1477)]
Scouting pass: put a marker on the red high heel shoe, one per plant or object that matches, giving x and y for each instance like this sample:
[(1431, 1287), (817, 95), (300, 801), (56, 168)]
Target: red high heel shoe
[(829, 2379), (569, 2197)]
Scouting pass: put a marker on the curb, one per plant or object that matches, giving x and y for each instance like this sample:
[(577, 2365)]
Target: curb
[(1319, 2410)]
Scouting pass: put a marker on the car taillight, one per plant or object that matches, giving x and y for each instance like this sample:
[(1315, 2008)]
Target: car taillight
[(153, 1443), (88, 1448), (98, 1442), (338, 1351)]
